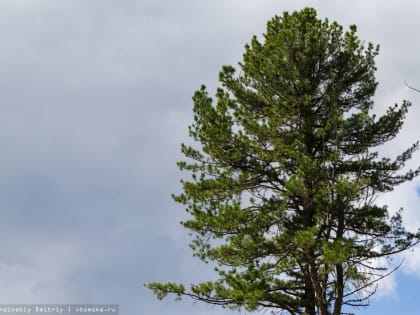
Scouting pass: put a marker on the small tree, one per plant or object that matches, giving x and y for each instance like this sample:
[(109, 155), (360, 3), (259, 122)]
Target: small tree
[(284, 181)]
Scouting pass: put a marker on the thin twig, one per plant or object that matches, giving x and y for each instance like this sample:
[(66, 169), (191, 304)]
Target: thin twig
[(410, 87)]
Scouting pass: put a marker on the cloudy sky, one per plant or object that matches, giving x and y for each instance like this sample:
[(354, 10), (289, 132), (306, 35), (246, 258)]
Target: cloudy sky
[(95, 99)]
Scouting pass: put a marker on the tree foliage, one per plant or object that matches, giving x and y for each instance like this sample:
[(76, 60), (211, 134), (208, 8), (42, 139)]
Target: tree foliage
[(284, 180)]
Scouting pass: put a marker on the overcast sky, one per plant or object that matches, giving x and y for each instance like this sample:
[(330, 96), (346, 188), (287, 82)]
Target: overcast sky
[(95, 99)]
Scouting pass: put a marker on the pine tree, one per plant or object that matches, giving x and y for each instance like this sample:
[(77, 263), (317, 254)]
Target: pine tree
[(284, 180)]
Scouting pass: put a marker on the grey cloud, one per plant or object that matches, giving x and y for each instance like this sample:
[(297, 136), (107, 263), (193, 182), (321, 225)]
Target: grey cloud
[(95, 98)]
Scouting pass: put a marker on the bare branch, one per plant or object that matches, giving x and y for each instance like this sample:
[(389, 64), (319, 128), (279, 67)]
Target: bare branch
[(410, 87)]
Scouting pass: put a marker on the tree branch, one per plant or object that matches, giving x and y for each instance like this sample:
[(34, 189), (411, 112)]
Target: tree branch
[(410, 87)]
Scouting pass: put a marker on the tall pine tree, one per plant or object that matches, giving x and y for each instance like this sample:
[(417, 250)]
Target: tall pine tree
[(285, 175)]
